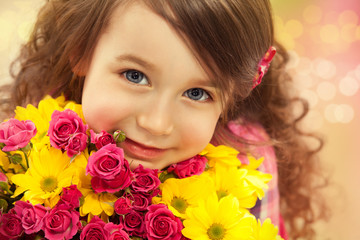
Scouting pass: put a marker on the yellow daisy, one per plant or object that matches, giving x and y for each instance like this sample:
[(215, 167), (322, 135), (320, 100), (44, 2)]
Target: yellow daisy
[(179, 194), (256, 179), (231, 180), (221, 155), (49, 172), (215, 219), (266, 231), (253, 162), (98, 203)]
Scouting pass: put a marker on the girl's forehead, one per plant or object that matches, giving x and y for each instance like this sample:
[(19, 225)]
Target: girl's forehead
[(137, 34), (152, 33)]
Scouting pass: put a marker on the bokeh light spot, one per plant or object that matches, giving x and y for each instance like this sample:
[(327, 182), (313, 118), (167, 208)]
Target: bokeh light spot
[(348, 32), (348, 86), (347, 17), (304, 66), (294, 28), (278, 24), (329, 113), (344, 113), (329, 33), (326, 90), (357, 72), (357, 33), (312, 14), (324, 68), (287, 40), (303, 80)]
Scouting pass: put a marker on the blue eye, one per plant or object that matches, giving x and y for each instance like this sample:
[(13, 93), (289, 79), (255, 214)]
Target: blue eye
[(197, 94), (136, 77)]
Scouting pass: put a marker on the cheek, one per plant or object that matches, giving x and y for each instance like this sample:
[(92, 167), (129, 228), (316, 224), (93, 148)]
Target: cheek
[(198, 133), (91, 111), (102, 113)]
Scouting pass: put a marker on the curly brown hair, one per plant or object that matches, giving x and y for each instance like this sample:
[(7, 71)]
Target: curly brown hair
[(229, 37)]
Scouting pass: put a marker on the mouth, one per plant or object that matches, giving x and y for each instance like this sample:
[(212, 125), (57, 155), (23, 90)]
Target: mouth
[(140, 151)]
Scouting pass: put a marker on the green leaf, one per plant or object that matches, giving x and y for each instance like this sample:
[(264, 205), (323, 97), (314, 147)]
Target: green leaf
[(165, 175), (3, 205), (15, 158), (119, 136)]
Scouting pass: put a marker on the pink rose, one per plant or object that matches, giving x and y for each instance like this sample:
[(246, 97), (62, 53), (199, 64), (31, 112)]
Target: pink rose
[(95, 229), (116, 231), (146, 179), (31, 216), (161, 223), (10, 226), (193, 166), (109, 169), (70, 197), (3, 177), (16, 134), (122, 206), (140, 200), (61, 223), (119, 235), (133, 223), (77, 143), (63, 127), (101, 139)]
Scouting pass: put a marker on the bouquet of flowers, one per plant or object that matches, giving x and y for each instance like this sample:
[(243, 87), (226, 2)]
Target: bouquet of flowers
[(61, 180)]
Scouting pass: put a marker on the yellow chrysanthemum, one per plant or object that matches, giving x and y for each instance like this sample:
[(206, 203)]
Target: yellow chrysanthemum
[(179, 194), (253, 162), (98, 203), (231, 180), (215, 219), (221, 155), (258, 180), (49, 172), (94, 203), (266, 231)]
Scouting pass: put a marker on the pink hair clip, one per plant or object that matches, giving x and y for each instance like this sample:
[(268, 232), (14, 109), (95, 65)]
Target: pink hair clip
[(264, 65)]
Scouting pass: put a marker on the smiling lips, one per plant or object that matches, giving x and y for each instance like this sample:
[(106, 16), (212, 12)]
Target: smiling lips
[(140, 151)]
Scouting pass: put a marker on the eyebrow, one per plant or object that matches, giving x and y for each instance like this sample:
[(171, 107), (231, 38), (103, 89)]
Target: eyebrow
[(135, 59), (206, 83)]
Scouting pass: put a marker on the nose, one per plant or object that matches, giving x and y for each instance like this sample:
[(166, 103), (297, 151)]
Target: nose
[(156, 118)]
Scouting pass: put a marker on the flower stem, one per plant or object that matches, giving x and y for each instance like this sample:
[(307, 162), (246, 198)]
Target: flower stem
[(27, 160)]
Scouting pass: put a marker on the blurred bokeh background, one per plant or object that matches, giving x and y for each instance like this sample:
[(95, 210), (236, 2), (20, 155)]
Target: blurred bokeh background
[(323, 39)]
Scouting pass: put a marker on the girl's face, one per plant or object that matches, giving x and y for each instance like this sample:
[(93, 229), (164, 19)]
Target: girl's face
[(144, 80)]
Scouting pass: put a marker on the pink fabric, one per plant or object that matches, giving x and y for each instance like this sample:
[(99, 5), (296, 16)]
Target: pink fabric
[(282, 230), (269, 206)]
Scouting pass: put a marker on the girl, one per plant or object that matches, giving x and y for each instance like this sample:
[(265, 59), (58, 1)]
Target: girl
[(175, 75)]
